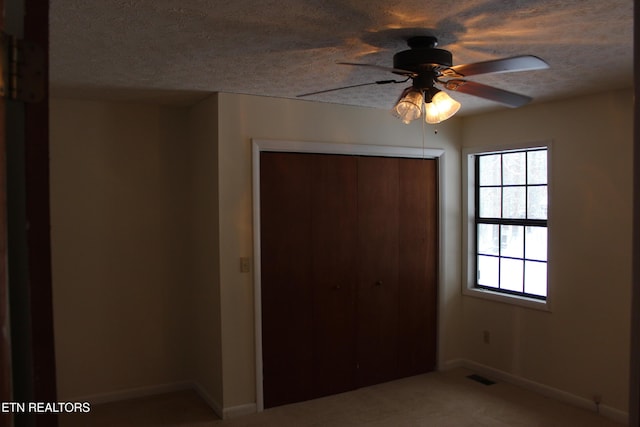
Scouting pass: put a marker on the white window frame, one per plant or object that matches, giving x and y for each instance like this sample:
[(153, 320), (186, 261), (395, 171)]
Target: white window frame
[(469, 231)]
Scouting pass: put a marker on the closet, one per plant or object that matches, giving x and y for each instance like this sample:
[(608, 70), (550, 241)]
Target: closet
[(348, 272)]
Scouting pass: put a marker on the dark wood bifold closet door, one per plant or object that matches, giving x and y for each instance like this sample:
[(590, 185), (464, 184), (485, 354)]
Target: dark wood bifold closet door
[(334, 272), (349, 272), (285, 188), (308, 222), (378, 270), (397, 208), (418, 274)]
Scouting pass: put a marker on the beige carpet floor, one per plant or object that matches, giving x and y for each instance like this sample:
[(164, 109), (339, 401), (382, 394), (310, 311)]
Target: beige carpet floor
[(439, 399)]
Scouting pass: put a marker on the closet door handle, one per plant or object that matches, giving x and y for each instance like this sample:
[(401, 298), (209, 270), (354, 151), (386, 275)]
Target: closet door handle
[(337, 287), (379, 283)]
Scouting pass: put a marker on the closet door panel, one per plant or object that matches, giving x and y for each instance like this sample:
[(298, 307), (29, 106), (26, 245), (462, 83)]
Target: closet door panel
[(287, 322), (377, 308), (334, 272), (349, 272), (418, 267)]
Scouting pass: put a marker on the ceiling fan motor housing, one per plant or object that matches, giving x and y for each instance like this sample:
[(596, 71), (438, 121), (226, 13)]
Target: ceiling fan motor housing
[(422, 56)]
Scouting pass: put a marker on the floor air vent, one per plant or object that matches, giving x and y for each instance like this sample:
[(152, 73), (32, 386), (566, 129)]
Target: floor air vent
[(480, 379)]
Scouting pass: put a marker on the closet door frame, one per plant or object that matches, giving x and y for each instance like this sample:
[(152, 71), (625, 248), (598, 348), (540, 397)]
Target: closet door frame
[(259, 145)]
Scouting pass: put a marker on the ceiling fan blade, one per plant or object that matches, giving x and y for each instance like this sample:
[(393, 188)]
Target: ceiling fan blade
[(380, 67), (510, 99), (504, 65), (379, 82)]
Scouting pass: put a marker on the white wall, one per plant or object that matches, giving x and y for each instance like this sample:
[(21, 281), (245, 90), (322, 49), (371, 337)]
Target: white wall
[(582, 345), (120, 253), (204, 296), (151, 211), (242, 118)]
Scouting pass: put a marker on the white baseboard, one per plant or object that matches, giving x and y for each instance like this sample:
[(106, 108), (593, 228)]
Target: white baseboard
[(217, 408), (132, 393), (452, 364), (240, 410), (545, 390), (222, 412), (250, 408)]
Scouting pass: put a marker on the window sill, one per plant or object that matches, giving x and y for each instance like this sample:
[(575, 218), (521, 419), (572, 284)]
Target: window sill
[(507, 299)]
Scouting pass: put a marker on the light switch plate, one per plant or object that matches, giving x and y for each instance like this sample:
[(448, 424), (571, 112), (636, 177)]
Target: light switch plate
[(245, 265)]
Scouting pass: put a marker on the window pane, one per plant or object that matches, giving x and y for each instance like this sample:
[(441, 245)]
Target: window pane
[(488, 241), (490, 170), (537, 202), (514, 202), (490, 202), (512, 195), (512, 241), (536, 247), (535, 278), (488, 271), (513, 168), (511, 274), (537, 167)]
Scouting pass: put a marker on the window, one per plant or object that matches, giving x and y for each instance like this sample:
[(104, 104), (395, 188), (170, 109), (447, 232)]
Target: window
[(507, 231)]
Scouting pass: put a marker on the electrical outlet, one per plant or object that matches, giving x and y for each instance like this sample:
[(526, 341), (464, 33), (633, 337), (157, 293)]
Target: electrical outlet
[(486, 337)]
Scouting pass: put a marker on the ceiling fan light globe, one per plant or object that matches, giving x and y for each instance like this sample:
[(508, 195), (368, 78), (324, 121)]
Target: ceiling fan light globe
[(431, 115), (407, 113), (409, 107), (441, 107)]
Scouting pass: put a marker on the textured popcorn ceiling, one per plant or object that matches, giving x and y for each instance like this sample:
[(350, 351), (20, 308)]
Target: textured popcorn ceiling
[(176, 51)]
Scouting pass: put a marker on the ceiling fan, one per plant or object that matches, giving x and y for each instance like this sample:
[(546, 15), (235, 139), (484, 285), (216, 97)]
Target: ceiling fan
[(427, 66)]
